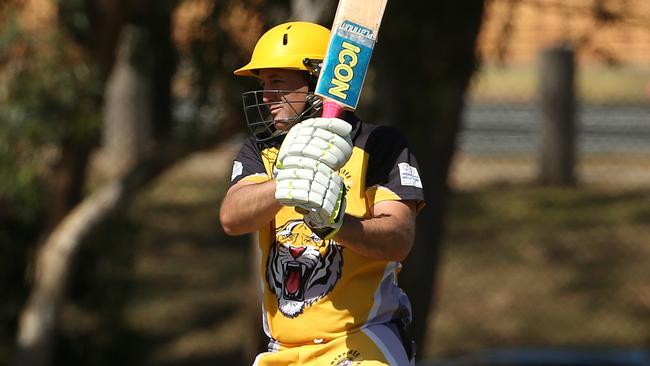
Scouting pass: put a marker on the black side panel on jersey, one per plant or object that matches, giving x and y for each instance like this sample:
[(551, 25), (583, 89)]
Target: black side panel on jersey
[(391, 164)]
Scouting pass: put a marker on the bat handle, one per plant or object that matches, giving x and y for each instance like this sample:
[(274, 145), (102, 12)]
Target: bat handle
[(332, 109)]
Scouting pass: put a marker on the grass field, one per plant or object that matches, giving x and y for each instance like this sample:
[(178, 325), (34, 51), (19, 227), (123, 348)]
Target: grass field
[(530, 266), (596, 84), (606, 171)]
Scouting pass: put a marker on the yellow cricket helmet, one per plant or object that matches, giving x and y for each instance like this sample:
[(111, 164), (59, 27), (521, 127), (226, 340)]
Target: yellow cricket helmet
[(285, 46)]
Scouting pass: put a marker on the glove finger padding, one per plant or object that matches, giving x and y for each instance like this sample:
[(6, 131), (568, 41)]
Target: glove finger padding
[(320, 145), (310, 185), (306, 163), (335, 125), (333, 195), (293, 185), (330, 144)]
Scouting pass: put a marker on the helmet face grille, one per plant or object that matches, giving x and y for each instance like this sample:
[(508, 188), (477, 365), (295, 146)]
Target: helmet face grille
[(258, 115)]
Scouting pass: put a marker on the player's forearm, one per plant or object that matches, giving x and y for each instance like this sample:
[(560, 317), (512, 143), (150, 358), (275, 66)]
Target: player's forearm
[(382, 237), (248, 208)]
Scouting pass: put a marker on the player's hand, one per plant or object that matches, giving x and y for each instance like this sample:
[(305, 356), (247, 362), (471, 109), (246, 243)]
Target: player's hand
[(309, 184), (326, 223), (326, 140)]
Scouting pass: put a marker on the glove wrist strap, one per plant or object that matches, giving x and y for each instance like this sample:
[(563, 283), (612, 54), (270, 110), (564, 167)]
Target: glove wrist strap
[(328, 232)]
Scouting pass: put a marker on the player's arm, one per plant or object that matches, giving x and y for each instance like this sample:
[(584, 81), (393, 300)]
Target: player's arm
[(248, 206), (387, 235)]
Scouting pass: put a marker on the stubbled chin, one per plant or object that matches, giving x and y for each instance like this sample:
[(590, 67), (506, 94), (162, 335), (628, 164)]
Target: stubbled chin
[(281, 125)]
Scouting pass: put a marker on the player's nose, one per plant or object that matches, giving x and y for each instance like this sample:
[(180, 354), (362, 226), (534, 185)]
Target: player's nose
[(268, 96)]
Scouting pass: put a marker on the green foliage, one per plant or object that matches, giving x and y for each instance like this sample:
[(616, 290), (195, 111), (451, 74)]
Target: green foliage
[(74, 16), (50, 96)]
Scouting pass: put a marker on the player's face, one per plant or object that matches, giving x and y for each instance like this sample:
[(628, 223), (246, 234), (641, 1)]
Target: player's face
[(294, 85)]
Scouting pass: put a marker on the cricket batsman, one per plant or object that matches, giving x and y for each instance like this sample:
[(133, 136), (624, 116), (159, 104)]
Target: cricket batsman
[(334, 202)]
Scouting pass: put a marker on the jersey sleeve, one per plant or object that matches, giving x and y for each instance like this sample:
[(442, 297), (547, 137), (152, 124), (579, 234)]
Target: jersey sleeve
[(248, 164), (393, 172)]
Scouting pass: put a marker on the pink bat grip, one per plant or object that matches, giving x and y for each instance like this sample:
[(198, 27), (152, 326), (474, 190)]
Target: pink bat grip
[(331, 109)]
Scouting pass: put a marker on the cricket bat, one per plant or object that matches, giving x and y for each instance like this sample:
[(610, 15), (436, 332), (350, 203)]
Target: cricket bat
[(354, 34)]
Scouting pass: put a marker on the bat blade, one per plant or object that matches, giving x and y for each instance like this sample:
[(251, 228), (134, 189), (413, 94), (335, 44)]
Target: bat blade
[(354, 34)]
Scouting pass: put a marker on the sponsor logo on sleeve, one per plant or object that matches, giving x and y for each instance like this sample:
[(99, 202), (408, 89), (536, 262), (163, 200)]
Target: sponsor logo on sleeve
[(237, 169), (409, 175)]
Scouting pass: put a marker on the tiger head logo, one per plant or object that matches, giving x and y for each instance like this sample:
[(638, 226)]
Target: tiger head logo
[(301, 268)]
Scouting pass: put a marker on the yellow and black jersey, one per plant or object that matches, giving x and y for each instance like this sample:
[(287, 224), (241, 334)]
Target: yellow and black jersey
[(316, 290)]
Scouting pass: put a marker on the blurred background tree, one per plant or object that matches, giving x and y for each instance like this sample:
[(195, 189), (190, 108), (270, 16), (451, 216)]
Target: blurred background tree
[(51, 98)]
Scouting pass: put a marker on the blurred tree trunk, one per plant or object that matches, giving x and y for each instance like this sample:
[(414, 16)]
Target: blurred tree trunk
[(128, 102), (424, 61), (137, 106), (159, 24), (67, 176), (38, 320), (106, 19), (66, 181), (557, 105), (137, 95)]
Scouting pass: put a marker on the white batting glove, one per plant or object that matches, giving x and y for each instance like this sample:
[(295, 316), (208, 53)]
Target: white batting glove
[(326, 223), (326, 140), (308, 189), (334, 125), (304, 182)]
